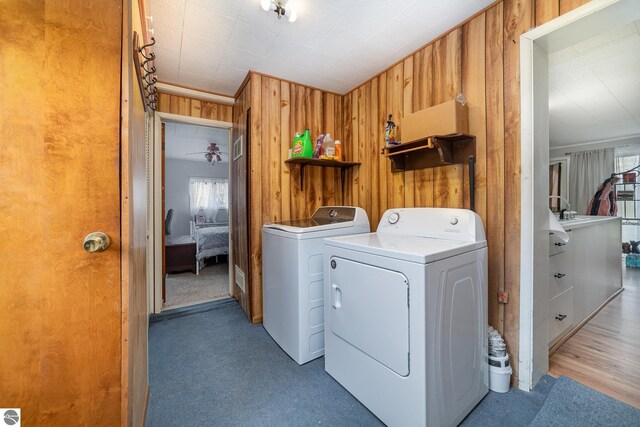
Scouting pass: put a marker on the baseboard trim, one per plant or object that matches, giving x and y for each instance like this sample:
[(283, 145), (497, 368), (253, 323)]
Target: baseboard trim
[(192, 309), (579, 326)]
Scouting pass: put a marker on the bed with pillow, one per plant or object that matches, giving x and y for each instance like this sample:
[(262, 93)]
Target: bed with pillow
[(212, 238)]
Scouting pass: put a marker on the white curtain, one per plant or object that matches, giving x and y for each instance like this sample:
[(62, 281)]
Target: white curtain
[(208, 195), (587, 170)]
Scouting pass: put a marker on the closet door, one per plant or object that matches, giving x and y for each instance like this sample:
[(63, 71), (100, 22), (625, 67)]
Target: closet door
[(61, 317)]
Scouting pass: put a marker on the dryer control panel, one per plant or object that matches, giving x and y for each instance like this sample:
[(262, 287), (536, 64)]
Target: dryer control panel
[(439, 223)]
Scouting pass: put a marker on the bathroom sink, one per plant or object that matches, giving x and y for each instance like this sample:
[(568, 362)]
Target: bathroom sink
[(579, 219), (573, 220)]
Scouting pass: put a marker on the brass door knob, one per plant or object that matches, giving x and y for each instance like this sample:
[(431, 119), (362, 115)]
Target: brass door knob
[(96, 242)]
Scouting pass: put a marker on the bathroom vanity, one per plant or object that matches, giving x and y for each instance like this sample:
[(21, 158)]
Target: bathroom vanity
[(584, 273)]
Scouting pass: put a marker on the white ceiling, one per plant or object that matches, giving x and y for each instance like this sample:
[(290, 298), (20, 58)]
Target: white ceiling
[(334, 44), (594, 88), (190, 142)]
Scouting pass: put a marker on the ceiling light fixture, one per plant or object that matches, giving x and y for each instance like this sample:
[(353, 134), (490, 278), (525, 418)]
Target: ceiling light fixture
[(279, 7), (213, 153)]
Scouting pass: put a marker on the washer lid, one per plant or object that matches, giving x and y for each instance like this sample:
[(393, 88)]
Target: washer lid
[(307, 225), (420, 250), (324, 218)]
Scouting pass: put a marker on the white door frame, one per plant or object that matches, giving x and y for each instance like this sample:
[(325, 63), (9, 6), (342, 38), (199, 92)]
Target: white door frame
[(595, 17), (155, 173)]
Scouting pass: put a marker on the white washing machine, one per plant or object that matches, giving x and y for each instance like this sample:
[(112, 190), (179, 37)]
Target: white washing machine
[(406, 315), (292, 277)]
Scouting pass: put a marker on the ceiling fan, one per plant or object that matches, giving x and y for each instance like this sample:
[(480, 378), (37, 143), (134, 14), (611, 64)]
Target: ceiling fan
[(213, 153)]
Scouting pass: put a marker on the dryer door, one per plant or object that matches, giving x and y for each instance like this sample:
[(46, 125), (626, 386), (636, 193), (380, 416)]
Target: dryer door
[(370, 311)]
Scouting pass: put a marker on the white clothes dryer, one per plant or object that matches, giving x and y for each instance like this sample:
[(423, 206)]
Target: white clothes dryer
[(292, 277), (406, 315)]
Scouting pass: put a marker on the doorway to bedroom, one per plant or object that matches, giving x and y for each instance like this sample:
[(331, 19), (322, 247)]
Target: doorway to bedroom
[(196, 209)]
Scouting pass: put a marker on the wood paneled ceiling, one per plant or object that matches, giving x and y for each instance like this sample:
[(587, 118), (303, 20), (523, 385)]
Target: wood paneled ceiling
[(334, 45)]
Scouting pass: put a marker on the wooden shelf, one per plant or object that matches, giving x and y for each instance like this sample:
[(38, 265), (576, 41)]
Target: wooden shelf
[(305, 161), (431, 152)]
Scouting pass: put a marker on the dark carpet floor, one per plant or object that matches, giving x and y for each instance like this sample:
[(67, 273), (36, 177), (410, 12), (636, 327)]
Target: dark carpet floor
[(214, 368), (571, 404)]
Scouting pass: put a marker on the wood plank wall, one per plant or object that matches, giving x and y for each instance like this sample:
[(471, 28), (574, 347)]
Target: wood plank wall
[(469, 60), (479, 59), (184, 106), (278, 109)]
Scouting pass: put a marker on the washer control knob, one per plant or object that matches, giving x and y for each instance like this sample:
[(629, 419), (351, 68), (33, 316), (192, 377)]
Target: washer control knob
[(453, 220), (394, 217)]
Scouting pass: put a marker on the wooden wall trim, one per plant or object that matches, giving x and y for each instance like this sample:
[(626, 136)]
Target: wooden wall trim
[(179, 118), (185, 106), (189, 92)]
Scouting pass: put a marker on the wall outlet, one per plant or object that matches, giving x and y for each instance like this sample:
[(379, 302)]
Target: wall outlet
[(503, 297)]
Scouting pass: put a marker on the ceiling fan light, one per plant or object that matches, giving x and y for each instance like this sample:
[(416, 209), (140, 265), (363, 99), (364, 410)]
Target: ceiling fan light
[(265, 4), (218, 158)]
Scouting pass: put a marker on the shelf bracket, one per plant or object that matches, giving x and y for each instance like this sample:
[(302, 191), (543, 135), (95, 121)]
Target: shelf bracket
[(303, 162), (343, 171), (472, 183)]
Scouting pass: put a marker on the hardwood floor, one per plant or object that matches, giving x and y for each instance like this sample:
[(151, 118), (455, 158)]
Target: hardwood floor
[(605, 353)]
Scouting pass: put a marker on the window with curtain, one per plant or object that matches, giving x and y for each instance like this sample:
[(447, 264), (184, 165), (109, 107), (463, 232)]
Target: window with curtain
[(206, 196), (587, 170)]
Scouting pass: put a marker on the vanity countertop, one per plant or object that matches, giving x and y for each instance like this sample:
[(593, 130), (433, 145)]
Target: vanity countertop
[(586, 221)]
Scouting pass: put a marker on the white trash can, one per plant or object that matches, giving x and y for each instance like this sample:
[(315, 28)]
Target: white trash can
[(499, 373)]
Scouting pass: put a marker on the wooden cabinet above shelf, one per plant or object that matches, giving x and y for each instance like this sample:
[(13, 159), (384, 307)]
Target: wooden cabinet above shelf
[(431, 152)]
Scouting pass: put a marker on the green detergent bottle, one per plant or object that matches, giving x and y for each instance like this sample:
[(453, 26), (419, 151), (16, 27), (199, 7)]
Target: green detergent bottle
[(296, 146), (302, 145), (307, 145)]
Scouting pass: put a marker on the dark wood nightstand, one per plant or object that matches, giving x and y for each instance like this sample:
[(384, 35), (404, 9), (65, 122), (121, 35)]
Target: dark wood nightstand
[(180, 253)]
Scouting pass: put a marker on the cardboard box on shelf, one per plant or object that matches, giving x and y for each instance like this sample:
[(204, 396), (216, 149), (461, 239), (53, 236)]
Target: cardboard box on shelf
[(448, 118)]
